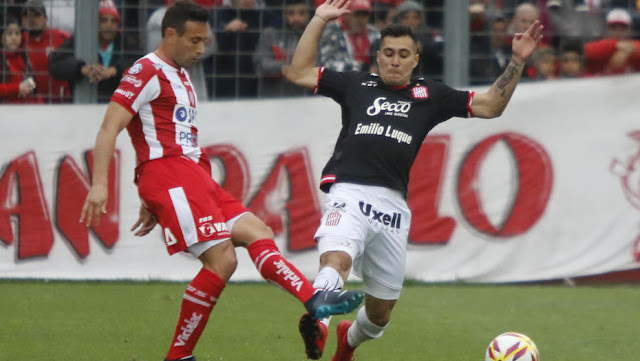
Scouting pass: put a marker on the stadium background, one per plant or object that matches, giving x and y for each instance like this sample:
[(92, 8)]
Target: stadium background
[(548, 191)]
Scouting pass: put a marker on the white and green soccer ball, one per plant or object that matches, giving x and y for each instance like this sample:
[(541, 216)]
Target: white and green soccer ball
[(512, 346)]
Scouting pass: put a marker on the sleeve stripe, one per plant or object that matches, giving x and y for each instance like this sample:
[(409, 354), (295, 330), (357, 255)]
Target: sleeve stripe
[(469, 102), (124, 104), (320, 71)]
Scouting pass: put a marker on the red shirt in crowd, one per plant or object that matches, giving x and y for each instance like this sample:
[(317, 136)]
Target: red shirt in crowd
[(38, 49), (13, 72), (598, 53)]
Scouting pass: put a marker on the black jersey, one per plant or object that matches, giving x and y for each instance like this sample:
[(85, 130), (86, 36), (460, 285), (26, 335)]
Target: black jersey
[(383, 127)]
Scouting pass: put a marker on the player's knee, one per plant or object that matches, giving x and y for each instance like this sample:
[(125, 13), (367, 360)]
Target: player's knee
[(338, 260), (380, 319)]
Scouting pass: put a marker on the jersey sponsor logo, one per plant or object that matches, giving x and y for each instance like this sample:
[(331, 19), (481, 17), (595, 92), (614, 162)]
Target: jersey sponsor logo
[(420, 92), (185, 115), (398, 109), (132, 80), (187, 138), (187, 329), (369, 83), (389, 220), (135, 69), (127, 94), (388, 131), (333, 219)]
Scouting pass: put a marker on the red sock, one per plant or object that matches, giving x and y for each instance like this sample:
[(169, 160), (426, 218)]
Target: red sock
[(197, 302), (275, 268)]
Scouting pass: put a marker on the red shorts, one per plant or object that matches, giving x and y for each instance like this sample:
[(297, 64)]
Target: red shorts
[(189, 205)]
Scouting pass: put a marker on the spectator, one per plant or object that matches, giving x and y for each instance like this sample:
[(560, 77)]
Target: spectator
[(617, 53), (384, 14), (490, 56), (344, 44), (237, 30), (525, 15), (111, 64), (571, 60), (39, 40), (154, 35), (275, 50), (544, 64), (17, 84)]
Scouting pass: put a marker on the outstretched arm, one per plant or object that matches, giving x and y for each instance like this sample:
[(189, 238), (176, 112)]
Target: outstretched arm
[(492, 103), (116, 119), (303, 70)]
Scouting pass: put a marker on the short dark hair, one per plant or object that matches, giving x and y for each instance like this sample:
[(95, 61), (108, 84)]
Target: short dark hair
[(180, 12), (396, 31)]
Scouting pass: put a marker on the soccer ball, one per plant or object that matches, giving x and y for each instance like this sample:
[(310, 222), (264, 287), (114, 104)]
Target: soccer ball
[(512, 346)]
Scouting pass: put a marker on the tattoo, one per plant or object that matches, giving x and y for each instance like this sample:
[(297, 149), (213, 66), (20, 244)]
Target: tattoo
[(506, 78)]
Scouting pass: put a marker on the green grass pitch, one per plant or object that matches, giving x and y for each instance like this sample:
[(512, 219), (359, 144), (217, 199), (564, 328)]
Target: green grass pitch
[(123, 321)]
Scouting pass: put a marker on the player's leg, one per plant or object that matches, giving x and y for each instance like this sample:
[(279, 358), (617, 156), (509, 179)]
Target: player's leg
[(370, 323), (218, 264), (250, 232), (381, 266), (173, 189), (334, 269)]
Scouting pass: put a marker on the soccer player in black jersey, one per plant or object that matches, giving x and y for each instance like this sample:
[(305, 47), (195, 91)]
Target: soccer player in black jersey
[(385, 119)]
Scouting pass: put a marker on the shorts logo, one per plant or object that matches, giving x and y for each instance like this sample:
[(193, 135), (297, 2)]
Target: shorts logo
[(208, 229), (392, 220), (339, 205), (420, 92), (333, 219)]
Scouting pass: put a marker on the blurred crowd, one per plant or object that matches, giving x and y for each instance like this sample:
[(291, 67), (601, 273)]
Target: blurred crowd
[(253, 41)]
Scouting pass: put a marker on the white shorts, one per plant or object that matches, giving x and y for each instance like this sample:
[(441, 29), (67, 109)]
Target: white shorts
[(371, 224)]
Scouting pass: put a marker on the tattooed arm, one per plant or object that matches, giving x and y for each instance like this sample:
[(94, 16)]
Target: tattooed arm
[(492, 103)]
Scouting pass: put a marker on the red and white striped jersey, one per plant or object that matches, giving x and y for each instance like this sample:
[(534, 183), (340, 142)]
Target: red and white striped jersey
[(163, 102)]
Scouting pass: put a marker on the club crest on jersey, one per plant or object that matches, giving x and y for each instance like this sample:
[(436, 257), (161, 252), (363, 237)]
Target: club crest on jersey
[(135, 69), (420, 92)]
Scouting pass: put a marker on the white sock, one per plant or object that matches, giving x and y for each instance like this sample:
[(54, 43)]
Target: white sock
[(328, 279), (363, 330)]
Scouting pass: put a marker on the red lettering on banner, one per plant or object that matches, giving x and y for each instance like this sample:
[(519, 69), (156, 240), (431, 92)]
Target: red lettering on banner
[(236, 177), (22, 197), (535, 177), (289, 187), (73, 187), (425, 191)]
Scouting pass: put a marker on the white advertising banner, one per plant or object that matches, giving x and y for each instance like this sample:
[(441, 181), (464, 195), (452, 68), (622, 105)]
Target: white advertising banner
[(549, 190)]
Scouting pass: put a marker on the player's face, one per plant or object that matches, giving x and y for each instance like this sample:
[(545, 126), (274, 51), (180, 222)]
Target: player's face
[(396, 59), (11, 37), (188, 48)]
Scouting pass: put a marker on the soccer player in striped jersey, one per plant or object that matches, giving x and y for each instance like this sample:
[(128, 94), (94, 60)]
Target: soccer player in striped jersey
[(157, 104)]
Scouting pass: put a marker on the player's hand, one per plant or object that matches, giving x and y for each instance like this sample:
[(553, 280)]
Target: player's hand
[(94, 205), (524, 44), (146, 222), (333, 9)]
